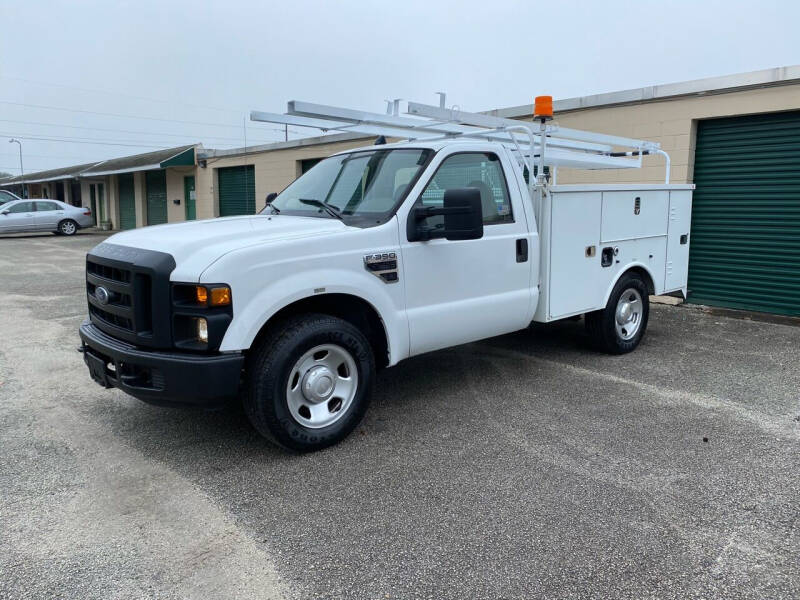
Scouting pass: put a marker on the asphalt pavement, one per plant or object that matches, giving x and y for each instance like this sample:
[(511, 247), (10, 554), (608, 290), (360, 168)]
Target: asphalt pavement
[(525, 466)]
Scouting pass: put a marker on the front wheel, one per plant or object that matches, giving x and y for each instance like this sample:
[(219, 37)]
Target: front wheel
[(620, 326), (309, 382), (67, 227)]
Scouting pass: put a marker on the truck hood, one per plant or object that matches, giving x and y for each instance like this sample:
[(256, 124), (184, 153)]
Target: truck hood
[(196, 244)]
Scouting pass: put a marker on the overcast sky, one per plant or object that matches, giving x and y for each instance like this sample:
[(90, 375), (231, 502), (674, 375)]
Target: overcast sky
[(153, 73)]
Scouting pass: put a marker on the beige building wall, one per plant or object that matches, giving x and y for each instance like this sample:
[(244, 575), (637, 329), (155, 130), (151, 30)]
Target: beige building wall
[(112, 199), (177, 212), (274, 170), (139, 199), (671, 122)]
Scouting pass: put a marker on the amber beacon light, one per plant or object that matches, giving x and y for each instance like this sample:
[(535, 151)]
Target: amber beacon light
[(543, 108)]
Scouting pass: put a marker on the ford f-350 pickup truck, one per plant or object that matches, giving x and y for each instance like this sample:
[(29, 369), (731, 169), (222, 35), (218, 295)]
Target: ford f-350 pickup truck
[(378, 254)]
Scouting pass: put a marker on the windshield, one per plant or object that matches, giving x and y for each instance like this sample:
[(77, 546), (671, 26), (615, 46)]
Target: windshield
[(6, 197), (362, 188)]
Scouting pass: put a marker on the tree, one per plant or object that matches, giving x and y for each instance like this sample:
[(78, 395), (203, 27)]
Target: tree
[(3, 175)]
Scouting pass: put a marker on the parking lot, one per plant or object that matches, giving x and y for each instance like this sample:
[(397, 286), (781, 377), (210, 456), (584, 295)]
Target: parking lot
[(523, 466)]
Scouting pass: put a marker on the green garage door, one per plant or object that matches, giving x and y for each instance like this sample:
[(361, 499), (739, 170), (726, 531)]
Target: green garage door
[(156, 190), (237, 191), (127, 205), (745, 241)]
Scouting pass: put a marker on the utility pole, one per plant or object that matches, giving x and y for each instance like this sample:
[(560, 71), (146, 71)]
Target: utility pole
[(21, 171)]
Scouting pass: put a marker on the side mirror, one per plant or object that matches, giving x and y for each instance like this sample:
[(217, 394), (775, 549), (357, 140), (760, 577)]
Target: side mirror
[(4, 212), (270, 197), (463, 217)]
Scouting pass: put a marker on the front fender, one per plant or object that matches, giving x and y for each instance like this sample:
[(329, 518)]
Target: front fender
[(252, 311)]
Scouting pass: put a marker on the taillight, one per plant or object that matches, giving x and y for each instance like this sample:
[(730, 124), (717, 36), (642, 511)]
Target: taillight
[(88, 212)]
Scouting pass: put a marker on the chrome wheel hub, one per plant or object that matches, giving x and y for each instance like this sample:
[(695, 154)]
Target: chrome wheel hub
[(321, 386), (628, 316), (318, 384)]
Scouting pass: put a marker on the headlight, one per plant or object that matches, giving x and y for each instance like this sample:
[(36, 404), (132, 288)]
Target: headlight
[(200, 315), (202, 330)]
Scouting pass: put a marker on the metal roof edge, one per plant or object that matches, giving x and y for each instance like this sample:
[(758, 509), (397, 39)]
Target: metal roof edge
[(32, 177), (89, 174), (711, 85), (299, 143)]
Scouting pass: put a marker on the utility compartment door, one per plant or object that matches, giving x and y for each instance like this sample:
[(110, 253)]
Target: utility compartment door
[(680, 220), (634, 214), (575, 273)]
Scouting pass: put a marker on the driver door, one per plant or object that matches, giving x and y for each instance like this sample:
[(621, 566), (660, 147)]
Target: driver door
[(465, 290)]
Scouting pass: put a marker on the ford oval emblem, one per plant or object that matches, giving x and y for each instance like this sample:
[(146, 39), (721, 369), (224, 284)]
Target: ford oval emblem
[(102, 295)]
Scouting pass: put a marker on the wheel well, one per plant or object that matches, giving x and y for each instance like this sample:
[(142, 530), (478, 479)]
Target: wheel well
[(352, 309), (641, 271)]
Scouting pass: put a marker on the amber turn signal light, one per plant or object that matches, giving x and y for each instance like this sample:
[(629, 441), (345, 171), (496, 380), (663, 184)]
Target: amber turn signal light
[(220, 296), (216, 296)]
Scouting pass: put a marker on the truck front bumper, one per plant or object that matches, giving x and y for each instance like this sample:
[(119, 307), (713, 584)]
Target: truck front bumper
[(162, 378)]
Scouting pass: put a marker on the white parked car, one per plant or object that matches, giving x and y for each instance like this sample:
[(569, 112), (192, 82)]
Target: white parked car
[(375, 255), (20, 216)]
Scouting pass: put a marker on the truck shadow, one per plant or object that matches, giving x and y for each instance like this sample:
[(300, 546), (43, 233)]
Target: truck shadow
[(408, 402)]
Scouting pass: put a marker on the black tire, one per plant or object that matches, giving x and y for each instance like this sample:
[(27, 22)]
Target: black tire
[(601, 325), (67, 227), (267, 375)]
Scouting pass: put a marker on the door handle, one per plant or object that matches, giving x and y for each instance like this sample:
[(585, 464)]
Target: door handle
[(522, 250)]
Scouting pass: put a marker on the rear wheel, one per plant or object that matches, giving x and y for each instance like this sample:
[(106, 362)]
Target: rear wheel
[(309, 382), (620, 326), (67, 227)]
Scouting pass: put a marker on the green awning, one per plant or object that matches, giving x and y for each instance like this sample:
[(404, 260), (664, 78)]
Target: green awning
[(184, 159)]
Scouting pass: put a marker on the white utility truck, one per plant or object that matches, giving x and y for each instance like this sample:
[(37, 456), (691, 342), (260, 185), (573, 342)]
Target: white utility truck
[(378, 254)]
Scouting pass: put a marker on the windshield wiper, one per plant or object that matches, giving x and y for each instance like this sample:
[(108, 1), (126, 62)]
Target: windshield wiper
[(328, 208)]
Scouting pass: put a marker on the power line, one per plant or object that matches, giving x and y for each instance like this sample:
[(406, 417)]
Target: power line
[(53, 156), (120, 94), (105, 114), (179, 135), (76, 141), (129, 96)]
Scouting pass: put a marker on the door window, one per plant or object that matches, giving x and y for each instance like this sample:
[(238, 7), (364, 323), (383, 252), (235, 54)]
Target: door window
[(480, 170), (22, 207), (46, 206)]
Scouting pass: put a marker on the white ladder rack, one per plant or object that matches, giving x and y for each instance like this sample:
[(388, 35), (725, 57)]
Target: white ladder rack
[(536, 143)]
